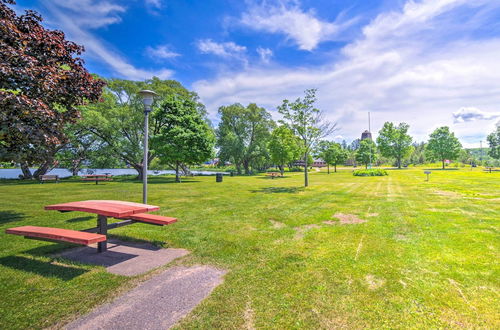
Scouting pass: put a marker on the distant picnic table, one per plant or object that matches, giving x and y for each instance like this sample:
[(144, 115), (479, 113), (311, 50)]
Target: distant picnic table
[(128, 212), (97, 177)]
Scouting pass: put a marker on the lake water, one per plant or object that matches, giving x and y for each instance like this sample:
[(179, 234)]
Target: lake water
[(13, 173)]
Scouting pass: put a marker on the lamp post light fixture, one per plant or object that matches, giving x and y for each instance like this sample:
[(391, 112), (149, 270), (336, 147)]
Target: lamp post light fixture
[(147, 100)]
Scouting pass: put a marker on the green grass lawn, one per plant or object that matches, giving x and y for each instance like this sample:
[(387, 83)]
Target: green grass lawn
[(426, 257)]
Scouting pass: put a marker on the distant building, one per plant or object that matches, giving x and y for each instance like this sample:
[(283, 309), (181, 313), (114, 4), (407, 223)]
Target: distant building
[(366, 135)]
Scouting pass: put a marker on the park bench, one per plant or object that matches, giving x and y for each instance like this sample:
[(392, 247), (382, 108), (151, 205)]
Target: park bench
[(97, 177), (57, 234), (49, 177), (273, 174)]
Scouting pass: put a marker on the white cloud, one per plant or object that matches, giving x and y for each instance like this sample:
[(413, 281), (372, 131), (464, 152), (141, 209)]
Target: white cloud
[(75, 17), (468, 114), (303, 27), (417, 65), (161, 52), (224, 49), (91, 13), (154, 3), (265, 54)]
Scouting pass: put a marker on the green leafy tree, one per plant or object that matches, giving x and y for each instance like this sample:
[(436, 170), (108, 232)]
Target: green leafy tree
[(332, 154), (81, 143), (394, 142), (99, 157), (184, 137), (443, 145), (306, 121), (284, 147), (494, 142), (367, 152), (243, 134), (118, 120), (418, 153), (465, 157)]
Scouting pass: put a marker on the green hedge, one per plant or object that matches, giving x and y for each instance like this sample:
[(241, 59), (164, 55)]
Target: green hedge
[(372, 172)]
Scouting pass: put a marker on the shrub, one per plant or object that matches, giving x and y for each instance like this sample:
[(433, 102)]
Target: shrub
[(372, 172)]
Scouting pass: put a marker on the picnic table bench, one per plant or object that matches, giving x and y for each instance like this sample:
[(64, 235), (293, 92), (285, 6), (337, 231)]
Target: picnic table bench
[(49, 177), (273, 174), (128, 212), (97, 177)]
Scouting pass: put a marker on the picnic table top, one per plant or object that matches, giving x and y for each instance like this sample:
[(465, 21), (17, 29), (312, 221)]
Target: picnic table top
[(109, 208)]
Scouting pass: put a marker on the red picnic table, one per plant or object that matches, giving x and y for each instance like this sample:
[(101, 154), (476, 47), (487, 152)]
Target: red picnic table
[(129, 212)]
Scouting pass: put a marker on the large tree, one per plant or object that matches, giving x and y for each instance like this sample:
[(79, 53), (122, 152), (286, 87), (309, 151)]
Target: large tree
[(243, 134), (443, 145), (184, 137), (394, 141), (81, 143), (367, 152), (332, 154), (118, 120), (494, 142), (307, 123), (284, 147), (42, 82)]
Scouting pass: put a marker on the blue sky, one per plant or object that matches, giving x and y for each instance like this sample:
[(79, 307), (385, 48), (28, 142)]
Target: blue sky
[(428, 63)]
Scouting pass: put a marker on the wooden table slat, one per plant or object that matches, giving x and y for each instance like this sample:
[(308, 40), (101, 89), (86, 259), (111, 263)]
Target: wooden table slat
[(109, 208)]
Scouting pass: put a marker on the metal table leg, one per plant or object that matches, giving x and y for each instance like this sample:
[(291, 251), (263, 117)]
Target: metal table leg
[(102, 225)]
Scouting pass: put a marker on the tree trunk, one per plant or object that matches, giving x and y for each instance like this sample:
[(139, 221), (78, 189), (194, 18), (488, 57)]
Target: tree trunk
[(366, 166), (282, 169), (185, 169), (335, 166), (26, 171), (138, 168), (443, 163), (177, 176), (328, 167), (306, 174), (246, 166), (75, 170), (399, 163), (238, 168), (46, 166), (76, 166)]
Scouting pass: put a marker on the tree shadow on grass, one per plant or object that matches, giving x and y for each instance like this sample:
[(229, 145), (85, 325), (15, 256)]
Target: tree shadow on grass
[(17, 182), (441, 169), (43, 268), (272, 178), (81, 219), (134, 242), (48, 249), (10, 216), (163, 180), (274, 190)]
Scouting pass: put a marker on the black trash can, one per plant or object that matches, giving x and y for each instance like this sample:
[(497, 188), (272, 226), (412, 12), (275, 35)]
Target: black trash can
[(218, 177)]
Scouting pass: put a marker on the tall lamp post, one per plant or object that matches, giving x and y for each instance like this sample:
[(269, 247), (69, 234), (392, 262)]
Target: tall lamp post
[(147, 100)]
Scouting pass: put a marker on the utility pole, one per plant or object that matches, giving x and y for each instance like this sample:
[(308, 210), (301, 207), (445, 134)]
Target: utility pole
[(369, 130), (481, 157)]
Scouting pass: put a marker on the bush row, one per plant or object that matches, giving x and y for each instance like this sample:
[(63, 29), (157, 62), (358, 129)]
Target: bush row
[(372, 172)]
